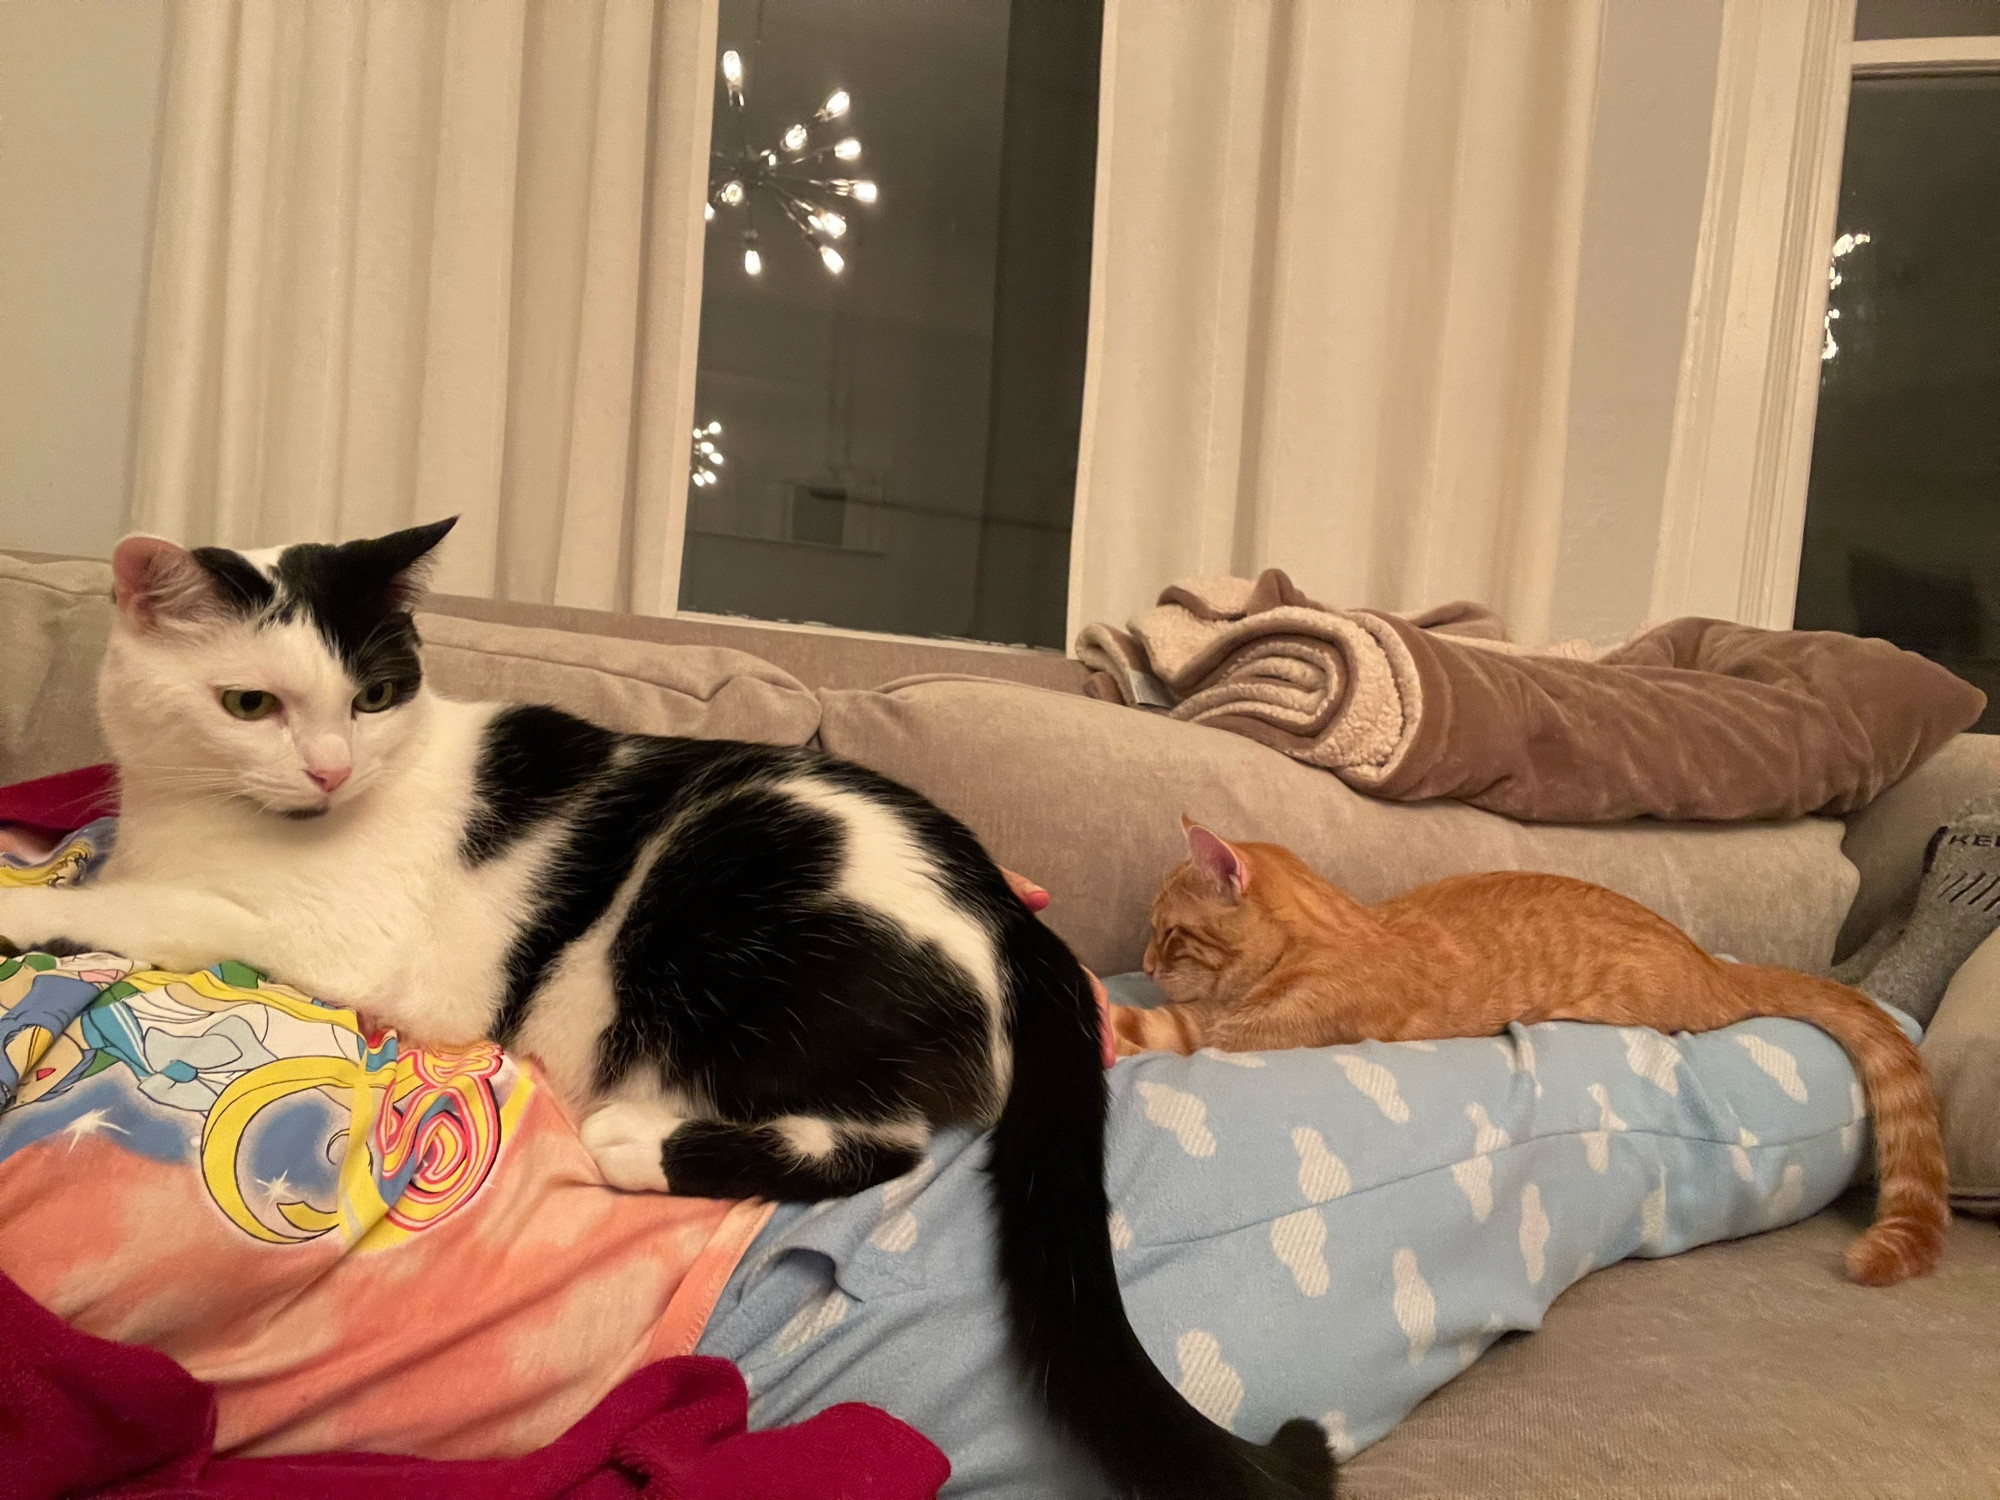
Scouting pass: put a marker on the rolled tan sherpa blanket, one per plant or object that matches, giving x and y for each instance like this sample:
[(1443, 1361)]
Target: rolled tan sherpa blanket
[(1694, 720)]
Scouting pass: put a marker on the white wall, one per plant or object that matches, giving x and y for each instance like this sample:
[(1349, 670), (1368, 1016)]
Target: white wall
[(1642, 216), (79, 115)]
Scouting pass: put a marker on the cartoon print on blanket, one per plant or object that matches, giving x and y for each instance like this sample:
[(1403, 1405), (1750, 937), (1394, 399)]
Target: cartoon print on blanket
[(69, 864), (327, 1226), (404, 1138)]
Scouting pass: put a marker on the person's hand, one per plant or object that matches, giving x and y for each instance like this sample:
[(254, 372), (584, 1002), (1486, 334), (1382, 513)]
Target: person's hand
[(1032, 896)]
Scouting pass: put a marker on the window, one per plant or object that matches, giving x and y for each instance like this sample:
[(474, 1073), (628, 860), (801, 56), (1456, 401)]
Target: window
[(894, 307), (1902, 535)]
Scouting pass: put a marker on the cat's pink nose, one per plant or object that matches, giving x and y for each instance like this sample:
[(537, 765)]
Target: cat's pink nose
[(330, 778)]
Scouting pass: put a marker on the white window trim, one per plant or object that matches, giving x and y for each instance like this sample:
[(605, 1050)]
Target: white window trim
[(1741, 455), (1927, 54), (1741, 451)]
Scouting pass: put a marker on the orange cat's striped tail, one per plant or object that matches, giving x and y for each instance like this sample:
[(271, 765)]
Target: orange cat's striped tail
[(1912, 1205)]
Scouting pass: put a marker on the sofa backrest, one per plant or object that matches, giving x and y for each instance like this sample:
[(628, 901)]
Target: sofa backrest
[(54, 617), (1082, 795), (817, 655), (1086, 798)]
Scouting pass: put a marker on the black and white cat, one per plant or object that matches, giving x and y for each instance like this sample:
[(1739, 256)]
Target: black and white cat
[(748, 970)]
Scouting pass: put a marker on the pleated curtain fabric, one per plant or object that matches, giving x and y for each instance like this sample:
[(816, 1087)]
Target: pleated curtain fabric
[(1334, 293), (422, 257)]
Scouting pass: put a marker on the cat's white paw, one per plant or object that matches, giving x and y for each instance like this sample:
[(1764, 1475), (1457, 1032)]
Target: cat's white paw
[(626, 1141)]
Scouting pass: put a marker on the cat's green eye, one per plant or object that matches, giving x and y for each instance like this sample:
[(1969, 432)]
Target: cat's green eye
[(375, 697), (249, 703)]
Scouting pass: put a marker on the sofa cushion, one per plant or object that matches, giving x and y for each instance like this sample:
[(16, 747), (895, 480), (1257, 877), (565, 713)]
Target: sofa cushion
[(1085, 797), (1962, 1050), (633, 685), (1886, 839), (54, 617), (1737, 1371)]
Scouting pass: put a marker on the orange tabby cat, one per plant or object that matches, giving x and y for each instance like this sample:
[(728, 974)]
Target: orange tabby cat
[(1257, 952)]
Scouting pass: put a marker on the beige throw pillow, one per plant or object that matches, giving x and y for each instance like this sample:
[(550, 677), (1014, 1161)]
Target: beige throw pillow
[(1086, 797), (636, 686), (1962, 1050)]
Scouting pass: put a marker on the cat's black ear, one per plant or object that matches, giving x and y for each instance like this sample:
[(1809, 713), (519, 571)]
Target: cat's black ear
[(403, 559), (1218, 861), (158, 584)]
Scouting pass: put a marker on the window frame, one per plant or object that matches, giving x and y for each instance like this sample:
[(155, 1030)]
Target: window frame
[(1733, 518)]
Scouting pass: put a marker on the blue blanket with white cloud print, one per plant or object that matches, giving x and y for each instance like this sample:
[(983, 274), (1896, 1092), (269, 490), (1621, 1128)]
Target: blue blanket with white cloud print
[(1332, 1232)]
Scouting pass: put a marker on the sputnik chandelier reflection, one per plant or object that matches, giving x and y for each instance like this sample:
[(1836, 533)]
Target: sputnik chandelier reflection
[(704, 457), (1846, 245), (791, 176)]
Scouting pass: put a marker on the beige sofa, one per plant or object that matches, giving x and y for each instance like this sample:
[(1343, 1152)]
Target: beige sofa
[(1745, 1369)]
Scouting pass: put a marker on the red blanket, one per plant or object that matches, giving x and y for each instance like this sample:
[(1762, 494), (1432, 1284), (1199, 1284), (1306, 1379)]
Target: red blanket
[(83, 1416), (60, 804)]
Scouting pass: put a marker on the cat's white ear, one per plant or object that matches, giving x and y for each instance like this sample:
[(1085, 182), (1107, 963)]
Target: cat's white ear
[(1217, 860), (157, 583)]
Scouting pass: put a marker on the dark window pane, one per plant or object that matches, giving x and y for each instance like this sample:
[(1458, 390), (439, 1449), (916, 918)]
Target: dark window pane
[(1902, 532), (1878, 19), (900, 438)]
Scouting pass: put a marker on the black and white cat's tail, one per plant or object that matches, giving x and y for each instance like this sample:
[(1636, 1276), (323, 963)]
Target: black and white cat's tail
[(1068, 1323)]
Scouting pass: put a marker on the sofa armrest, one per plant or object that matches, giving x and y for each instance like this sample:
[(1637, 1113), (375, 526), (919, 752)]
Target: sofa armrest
[(1885, 841), (54, 617)]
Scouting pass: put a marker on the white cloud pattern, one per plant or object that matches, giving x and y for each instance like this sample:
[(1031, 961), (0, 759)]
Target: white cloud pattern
[(1415, 1305), (1121, 1231), (1181, 1115), (898, 1230), (1486, 1136), (1597, 1143), (1850, 1133), (1322, 1175), (810, 1321), (1207, 1381), (1653, 1216), (1790, 1194), (1474, 1177), (1334, 1424), (1376, 1081), (1777, 1062), (1234, 1059), (1298, 1240), (1652, 1057), (1534, 1233)]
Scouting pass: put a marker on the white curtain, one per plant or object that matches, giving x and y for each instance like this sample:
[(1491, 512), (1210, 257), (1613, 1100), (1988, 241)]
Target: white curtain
[(418, 257), (1336, 270)]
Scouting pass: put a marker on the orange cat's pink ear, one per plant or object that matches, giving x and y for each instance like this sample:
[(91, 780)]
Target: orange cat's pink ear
[(1218, 862)]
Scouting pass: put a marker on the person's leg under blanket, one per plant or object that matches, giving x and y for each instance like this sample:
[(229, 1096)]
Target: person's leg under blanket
[(1333, 1232)]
